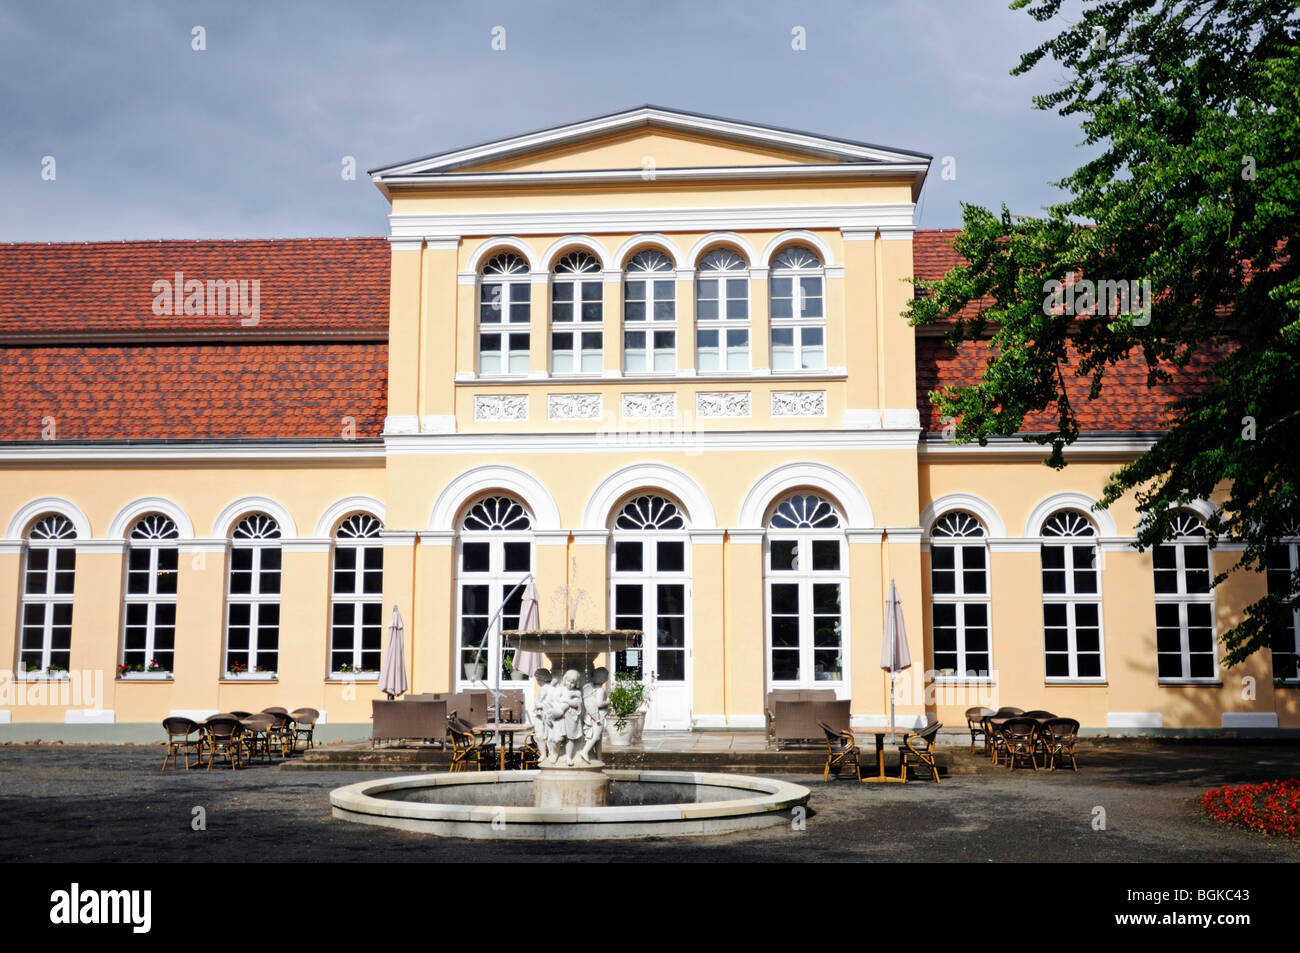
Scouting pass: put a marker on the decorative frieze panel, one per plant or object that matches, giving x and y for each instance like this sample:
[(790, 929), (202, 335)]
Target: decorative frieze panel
[(573, 406), (723, 404), (798, 403), (493, 407), (649, 406)]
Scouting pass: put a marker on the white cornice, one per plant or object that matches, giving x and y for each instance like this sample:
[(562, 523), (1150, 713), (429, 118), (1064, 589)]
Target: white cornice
[(430, 225), (840, 170), (686, 441), (49, 452), (1099, 445)]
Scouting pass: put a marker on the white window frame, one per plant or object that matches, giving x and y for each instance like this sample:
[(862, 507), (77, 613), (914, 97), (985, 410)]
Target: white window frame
[(1291, 546), (255, 599), (499, 582), (575, 271), (56, 534), (162, 534), (1072, 599), (650, 576), (722, 326), (795, 264), (510, 273), (368, 527), (805, 577), (1183, 599), (975, 537), (645, 271)]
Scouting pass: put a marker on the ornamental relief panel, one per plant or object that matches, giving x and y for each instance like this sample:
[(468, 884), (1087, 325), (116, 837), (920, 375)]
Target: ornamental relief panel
[(649, 406), (723, 404), (573, 407), (798, 403), (493, 407)]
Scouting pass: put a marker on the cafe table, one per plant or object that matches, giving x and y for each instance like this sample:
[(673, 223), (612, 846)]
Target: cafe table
[(880, 777), (506, 731)]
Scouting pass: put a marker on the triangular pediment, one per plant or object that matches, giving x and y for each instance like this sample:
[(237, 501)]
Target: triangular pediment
[(635, 138)]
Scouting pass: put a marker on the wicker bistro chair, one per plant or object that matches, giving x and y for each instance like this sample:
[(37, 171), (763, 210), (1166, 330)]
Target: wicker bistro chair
[(183, 736), (1057, 737), (280, 734), (975, 723), (841, 752), (917, 751), (304, 726), (524, 757), (468, 747), (1020, 738), (224, 735), (1010, 711), (994, 742), (257, 735)]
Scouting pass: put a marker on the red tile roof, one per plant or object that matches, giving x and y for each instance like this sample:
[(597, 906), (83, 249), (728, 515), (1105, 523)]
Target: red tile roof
[(1125, 403), (90, 288), (933, 257), (194, 391)]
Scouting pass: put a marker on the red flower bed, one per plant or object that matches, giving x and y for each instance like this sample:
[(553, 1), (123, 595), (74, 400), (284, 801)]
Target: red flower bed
[(1271, 808)]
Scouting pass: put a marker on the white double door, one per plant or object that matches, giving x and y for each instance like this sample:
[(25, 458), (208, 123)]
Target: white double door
[(650, 590)]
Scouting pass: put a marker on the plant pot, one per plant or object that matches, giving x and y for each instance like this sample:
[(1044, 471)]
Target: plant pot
[(474, 671), (517, 676), (629, 735)]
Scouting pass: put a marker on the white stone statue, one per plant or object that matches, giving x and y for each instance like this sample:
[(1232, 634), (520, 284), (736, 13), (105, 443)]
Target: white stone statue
[(541, 719), (595, 705), (566, 714)]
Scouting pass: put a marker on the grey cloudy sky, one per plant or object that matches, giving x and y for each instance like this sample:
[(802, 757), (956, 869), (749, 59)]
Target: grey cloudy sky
[(152, 139)]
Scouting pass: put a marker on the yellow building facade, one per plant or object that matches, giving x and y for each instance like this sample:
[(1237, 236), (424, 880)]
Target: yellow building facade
[(655, 361)]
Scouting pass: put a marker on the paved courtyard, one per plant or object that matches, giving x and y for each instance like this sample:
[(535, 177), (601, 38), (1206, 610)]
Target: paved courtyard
[(107, 803)]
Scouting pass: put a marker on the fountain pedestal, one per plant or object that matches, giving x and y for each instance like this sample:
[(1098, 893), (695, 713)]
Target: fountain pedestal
[(569, 713)]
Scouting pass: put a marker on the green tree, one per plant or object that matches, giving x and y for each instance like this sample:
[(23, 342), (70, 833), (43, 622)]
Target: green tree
[(1189, 109)]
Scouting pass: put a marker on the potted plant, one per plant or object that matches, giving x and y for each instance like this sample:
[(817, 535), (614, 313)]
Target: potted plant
[(474, 671), (626, 720), (514, 673)]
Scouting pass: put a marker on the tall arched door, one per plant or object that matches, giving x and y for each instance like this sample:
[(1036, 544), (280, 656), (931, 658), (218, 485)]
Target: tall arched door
[(494, 554), (650, 589)]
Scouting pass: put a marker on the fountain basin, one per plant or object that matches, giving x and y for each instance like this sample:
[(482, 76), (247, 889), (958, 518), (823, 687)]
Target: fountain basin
[(498, 804)]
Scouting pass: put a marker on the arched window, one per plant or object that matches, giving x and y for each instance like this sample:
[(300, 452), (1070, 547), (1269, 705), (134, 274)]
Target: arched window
[(357, 596), (650, 591), (650, 313), (495, 554), (1283, 564), (504, 296), (807, 578), (149, 630), (722, 312), (577, 289), (253, 597), (959, 597), (798, 311), (1185, 645), (1071, 598), (48, 576)]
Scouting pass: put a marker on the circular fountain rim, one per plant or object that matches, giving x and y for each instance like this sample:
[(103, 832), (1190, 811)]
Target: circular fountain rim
[(358, 802)]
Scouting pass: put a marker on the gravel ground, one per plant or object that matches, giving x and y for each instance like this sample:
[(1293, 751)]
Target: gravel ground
[(107, 803)]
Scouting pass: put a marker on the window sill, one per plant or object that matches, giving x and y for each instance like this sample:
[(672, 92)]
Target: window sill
[(343, 677), (964, 680), (1066, 682), (145, 677), (43, 676), (252, 677), (1194, 682)]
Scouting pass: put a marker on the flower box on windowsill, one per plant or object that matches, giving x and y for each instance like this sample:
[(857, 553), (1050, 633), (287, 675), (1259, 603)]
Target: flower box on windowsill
[(162, 676), (352, 677), (43, 676), (250, 677)]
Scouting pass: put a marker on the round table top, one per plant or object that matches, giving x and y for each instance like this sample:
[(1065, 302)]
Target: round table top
[(503, 726)]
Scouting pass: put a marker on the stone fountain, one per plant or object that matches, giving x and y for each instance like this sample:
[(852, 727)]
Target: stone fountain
[(569, 712)]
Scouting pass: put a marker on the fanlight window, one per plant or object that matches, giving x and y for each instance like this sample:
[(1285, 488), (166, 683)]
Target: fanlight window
[(798, 312), (1071, 598), (649, 307), (1185, 639), (649, 513), (253, 606), (48, 577), (1067, 523), (360, 526), (1187, 524), (577, 293), (357, 590), (149, 630), (503, 316), (804, 511), (496, 513), (722, 312), (257, 526), (957, 524)]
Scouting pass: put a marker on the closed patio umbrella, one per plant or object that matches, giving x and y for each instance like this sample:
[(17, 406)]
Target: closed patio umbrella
[(529, 621), (392, 673), (894, 656)]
